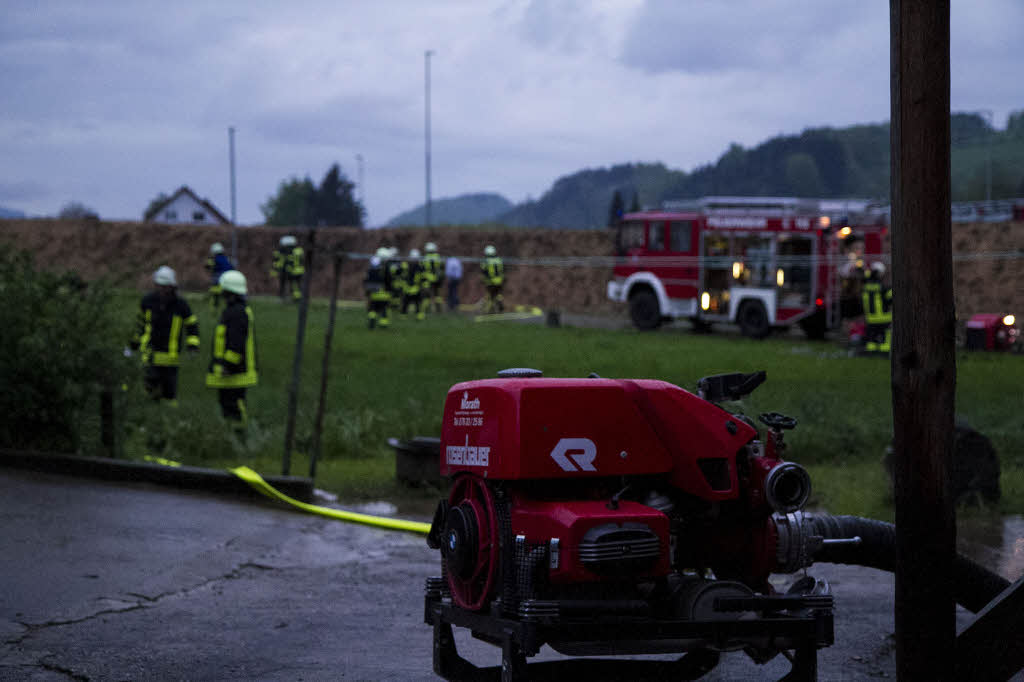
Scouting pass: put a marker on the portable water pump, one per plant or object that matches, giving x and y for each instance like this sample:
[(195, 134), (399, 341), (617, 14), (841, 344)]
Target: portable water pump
[(616, 516)]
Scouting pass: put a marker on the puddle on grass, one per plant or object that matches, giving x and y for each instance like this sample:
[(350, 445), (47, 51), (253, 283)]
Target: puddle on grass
[(996, 542)]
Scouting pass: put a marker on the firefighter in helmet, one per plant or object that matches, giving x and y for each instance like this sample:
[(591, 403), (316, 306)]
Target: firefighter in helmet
[(393, 266), (289, 267), (233, 361), (163, 317), (433, 278), (377, 286), (876, 298), (413, 276), (492, 270), (216, 264)]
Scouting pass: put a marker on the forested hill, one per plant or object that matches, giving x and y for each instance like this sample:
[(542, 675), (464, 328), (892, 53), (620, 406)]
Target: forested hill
[(819, 162), (466, 209)]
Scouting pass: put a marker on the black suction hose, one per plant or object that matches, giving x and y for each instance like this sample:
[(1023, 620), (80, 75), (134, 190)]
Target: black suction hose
[(974, 585)]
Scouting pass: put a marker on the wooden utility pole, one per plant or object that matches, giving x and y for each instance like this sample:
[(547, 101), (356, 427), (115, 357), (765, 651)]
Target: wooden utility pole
[(923, 350)]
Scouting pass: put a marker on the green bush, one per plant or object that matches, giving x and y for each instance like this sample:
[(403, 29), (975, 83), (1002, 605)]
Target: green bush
[(55, 332)]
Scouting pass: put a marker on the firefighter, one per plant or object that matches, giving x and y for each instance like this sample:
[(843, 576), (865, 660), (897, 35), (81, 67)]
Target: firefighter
[(216, 264), (233, 361), (413, 285), (289, 267), (433, 277), (163, 316), (395, 268), (277, 267), (294, 266), (877, 301), (493, 272), (378, 290)]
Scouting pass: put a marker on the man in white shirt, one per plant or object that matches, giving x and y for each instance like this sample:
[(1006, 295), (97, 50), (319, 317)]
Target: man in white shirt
[(453, 273)]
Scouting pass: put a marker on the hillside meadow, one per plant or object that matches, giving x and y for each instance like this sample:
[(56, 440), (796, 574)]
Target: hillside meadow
[(392, 383)]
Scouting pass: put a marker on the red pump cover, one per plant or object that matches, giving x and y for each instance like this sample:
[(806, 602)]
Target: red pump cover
[(536, 428)]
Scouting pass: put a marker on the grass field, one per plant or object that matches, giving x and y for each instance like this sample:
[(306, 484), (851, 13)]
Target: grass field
[(393, 383)]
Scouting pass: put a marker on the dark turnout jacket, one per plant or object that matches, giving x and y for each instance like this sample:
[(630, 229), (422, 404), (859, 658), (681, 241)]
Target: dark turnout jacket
[(159, 326), (233, 362)]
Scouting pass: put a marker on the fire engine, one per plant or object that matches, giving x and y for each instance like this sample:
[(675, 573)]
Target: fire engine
[(758, 262)]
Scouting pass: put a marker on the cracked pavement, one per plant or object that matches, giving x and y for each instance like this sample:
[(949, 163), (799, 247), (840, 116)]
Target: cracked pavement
[(118, 581)]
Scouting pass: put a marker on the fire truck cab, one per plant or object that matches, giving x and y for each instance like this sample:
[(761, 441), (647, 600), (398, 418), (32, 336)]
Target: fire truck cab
[(758, 262)]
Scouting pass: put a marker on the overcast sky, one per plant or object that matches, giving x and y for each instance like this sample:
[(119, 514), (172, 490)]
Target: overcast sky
[(111, 103)]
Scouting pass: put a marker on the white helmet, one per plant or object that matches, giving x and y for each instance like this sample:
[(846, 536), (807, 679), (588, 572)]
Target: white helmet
[(383, 253), (489, 250), (288, 240), (414, 253), (431, 247), (216, 248), (878, 267), (233, 281), (164, 277)]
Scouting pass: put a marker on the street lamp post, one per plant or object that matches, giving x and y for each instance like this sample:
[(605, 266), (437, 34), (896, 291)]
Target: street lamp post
[(426, 63), (234, 221), (988, 152), (359, 178)]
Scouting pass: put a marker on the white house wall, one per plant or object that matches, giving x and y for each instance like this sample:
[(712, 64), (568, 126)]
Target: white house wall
[(185, 209)]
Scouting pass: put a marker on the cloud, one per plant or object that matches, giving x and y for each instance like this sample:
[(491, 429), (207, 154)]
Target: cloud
[(711, 37)]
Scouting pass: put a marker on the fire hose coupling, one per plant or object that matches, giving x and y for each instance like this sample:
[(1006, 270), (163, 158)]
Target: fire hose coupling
[(797, 544), (787, 487)]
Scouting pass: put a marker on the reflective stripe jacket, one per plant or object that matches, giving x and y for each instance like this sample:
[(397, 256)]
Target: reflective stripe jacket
[(277, 265), (493, 271), (376, 285), (877, 301), (233, 364), (294, 262), (158, 329), (432, 268)]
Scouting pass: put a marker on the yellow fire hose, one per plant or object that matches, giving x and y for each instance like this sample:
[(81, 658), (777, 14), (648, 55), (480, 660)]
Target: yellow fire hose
[(260, 485), (257, 482)]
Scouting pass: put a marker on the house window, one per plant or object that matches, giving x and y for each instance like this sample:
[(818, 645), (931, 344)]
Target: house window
[(198, 216), (171, 215)]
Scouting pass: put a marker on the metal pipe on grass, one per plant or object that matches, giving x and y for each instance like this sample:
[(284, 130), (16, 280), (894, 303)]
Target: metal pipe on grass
[(339, 257), (300, 337)]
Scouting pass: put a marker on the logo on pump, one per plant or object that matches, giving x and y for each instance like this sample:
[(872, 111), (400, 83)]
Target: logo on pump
[(468, 404), (575, 454), (468, 455)]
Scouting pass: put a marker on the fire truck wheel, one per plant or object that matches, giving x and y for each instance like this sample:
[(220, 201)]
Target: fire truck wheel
[(753, 320), (643, 309)]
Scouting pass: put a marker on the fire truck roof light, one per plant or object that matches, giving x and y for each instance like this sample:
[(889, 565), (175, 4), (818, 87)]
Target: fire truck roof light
[(845, 232), (1009, 320)]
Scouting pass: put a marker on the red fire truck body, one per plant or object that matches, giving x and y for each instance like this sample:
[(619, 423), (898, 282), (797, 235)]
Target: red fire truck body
[(759, 262)]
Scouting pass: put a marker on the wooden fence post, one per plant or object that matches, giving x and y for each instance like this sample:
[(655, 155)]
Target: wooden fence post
[(923, 350)]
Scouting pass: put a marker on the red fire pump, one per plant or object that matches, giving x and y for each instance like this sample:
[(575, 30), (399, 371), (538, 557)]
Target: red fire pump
[(989, 331), (616, 516)]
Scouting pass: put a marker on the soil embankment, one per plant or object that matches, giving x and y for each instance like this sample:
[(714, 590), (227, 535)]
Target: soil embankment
[(127, 253)]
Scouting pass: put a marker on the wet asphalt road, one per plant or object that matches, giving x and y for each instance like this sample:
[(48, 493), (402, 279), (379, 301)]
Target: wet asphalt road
[(110, 581)]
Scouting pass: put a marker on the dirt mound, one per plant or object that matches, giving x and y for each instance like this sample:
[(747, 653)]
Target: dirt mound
[(127, 253)]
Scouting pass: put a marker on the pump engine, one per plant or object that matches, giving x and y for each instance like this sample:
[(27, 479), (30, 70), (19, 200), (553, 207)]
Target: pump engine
[(620, 516)]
